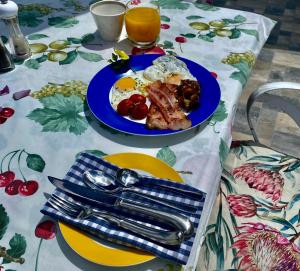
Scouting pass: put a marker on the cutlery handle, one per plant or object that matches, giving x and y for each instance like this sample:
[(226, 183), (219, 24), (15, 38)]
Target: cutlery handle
[(181, 207), (171, 238), (178, 221), (182, 192)]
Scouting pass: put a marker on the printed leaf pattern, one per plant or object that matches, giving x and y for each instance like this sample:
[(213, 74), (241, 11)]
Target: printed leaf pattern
[(32, 64), (37, 36), (62, 22), (17, 247), (35, 162), (243, 73), (58, 53), (222, 28), (74, 40), (60, 114), (41, 59), (251, 32), (219, 115), (4, 220), (30, 18), (206, 7), (87, 38), (167, 45), (71, 56), (31, 15), (223, 151), (94, 152), (164, 18), (167, 155), (188, 35), (172, 4), (194, 17), (92, 57), (243, 62)]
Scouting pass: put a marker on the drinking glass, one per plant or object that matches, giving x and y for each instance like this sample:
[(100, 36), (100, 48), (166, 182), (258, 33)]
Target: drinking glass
[(109, 18), (142, 22)]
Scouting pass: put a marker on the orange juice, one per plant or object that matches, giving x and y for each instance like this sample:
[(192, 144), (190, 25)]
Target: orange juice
[(142, 24)]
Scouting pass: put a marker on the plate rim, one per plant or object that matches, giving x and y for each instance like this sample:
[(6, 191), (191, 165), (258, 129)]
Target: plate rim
[(160, 134), (119, 157)]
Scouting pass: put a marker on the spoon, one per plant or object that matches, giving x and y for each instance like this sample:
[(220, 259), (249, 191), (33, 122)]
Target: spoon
[(97, 179), (130, 178)]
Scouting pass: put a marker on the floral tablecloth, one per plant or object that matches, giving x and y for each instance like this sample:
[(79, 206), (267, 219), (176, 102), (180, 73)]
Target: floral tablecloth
[(255, 219), (45, 122)]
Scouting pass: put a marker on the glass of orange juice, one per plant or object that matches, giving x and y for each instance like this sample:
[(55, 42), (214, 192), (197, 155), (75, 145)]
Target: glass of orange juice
[(142, 22)]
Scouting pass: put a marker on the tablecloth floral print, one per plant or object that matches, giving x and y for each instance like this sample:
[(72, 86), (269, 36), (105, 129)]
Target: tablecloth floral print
[(255, 220)]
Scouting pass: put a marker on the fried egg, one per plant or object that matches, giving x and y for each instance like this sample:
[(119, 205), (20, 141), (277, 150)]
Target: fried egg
[(127, 86), (168, 69)]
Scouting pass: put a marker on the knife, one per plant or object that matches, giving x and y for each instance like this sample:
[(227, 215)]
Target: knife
[(101, 198)]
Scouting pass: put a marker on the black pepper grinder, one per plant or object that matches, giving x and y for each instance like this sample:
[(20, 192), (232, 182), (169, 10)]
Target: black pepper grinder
[(18, 44), (6, 62)]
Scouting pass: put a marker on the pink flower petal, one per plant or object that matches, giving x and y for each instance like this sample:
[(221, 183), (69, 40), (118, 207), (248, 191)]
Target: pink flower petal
[(240, 244), (21, 94), (282, 240), (296, 248), (4, 91)]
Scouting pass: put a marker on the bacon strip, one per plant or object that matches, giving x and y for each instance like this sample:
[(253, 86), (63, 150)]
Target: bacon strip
[(155, 119), (164, 101)]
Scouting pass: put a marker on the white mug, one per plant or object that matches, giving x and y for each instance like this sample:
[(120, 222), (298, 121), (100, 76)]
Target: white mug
[(109, 18)]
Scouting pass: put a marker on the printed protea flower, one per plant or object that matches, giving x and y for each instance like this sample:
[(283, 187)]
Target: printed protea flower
[(242, 205), (264, 248), (268, 181)]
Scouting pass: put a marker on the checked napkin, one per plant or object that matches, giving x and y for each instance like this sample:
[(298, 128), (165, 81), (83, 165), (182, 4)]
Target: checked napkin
[(103, 229)]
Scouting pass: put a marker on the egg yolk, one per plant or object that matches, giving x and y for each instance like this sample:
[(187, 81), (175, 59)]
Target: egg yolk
[(126, 84)]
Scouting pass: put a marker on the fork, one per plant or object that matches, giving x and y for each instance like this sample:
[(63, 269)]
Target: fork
[(74, 210)]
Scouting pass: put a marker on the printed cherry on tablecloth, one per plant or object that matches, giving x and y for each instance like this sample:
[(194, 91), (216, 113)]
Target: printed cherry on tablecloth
[(13, 185), (180, 40), (45, 230), (5, 112)]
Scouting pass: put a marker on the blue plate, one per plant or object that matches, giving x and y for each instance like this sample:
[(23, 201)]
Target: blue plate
[(100, 86)]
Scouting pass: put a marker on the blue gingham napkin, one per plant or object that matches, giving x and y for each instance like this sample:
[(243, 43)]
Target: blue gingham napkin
[(103, 229)]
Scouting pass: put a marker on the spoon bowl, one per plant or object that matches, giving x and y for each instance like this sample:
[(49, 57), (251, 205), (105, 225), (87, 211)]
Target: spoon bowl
[(129, 178), (97, 179), (124, 181)]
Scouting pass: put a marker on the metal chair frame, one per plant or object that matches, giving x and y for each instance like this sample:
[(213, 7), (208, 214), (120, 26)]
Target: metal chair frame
[(261, 95)]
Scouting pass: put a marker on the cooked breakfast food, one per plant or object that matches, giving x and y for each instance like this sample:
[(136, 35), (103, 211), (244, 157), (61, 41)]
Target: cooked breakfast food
[(168, 69), (127, 86), (187, 94), (165, 111), (163, 94)]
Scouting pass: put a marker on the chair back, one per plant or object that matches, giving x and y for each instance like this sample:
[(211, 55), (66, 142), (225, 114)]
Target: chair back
[(262, 94)]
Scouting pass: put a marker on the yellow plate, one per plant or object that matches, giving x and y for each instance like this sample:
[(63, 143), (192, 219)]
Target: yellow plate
[(106, 253)]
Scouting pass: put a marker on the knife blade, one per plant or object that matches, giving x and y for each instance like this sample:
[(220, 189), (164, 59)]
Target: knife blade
[(98, 198), (101, 198)]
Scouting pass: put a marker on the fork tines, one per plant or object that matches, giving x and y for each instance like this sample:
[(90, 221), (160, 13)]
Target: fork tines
[(64, 206)]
